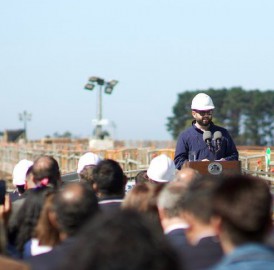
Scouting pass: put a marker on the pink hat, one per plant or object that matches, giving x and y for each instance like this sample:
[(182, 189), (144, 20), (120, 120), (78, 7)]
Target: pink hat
[(20, 171)]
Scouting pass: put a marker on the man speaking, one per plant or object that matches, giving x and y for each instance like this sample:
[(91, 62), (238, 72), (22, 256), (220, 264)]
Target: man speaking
[(204, 141)]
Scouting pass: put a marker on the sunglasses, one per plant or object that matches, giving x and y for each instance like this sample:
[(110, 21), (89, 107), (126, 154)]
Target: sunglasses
[(203, 113)]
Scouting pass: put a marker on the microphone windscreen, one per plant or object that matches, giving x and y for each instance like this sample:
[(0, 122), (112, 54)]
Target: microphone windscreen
[(207, 135), (217, 135)]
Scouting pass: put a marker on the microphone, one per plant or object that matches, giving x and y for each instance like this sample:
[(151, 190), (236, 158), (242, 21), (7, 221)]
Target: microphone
[(207, 137), (217, 137)]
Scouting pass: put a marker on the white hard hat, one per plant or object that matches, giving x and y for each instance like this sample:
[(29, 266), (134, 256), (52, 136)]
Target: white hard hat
[(87, 159), (161, 169), (20, 171), (202, 102)]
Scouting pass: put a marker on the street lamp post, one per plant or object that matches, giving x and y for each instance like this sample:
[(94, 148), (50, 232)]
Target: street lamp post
[(25, 117), (108, 90)]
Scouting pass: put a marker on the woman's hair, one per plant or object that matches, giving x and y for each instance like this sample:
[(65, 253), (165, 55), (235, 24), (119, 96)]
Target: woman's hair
[(140, 198), (143, 199), (28, 215), (46, 233)]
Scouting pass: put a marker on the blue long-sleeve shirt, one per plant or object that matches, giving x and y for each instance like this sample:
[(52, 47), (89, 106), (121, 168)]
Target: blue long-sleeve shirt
[(192, 140), (250, 256)]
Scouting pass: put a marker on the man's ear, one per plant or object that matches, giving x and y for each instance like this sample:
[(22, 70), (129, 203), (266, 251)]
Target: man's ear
[(216, 223), (161, 213), (95, 187), (193, 113)]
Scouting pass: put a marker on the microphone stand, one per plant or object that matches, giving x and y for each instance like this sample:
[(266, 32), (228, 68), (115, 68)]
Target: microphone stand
[(216, 147)]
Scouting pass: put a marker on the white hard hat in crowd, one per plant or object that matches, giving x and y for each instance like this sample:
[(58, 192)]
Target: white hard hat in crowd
[(161, 169), (87, 159), (20, 171), (202, 102)]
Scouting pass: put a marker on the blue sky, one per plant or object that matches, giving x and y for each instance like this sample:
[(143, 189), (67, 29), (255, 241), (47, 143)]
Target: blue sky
[(154, 48)]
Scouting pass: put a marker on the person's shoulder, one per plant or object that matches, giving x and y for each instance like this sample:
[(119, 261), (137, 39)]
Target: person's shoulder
[(110, 204), (253, 256), (187, 131), (51, 259)]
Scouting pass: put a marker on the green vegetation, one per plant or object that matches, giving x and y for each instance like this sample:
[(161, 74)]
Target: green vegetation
[(247, 114)]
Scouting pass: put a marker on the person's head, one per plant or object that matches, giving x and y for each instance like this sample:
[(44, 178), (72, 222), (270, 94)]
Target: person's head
[(123, 241), (196, 206), (109, 178), (161, 169), (73, 205), (29, 179), (143, 199), (45, 171), (86, 174), (242, 207), (202, 109), (141, 177), (19, 174), (85, 166), (168, 200), (186, 175), (198, 199)]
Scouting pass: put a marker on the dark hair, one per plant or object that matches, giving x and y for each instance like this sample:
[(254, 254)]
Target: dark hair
[(28, 215), (141, 177), (198, 197), (73, 211), (29, 170), (244, 204), (121, 241), (46, 167), (21, 189), (109, 178)]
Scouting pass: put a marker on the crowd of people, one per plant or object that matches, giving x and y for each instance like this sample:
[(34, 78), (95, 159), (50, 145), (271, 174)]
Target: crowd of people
[(172, 218)]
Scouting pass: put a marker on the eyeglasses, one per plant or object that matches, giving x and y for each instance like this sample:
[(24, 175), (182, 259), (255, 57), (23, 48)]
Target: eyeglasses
[(203, 113)]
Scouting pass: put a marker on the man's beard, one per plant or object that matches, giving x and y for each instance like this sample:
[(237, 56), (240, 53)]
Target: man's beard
[(204, 122)]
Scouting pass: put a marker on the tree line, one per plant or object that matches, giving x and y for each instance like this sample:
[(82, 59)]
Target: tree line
[(247, 114)]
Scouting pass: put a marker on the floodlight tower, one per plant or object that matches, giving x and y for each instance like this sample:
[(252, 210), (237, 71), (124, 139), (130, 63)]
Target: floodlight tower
[(25, 117), (108, 87)]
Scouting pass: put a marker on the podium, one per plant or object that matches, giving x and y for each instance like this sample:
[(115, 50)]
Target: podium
[(215, 167)]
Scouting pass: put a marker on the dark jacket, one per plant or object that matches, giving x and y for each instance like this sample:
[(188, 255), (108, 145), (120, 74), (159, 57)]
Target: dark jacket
[(110, 204), (192, 140), (204, 255), (52, 259)]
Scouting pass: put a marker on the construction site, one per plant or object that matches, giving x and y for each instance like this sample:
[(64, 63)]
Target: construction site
[(133, 156)]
